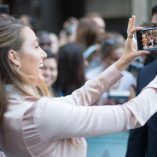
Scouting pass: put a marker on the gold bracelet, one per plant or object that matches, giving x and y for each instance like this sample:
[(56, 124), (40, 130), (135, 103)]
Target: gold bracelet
[(130, 35)]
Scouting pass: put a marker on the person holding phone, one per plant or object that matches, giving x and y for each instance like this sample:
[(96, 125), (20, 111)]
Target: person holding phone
[(142, 142), (34, 124)]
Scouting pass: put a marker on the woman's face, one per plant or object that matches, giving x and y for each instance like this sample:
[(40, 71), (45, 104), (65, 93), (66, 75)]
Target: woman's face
[(144, 39), (31, 56), (115, 55), (50, 71)]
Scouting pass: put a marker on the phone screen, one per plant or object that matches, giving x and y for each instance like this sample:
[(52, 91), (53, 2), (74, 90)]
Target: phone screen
[(147, 39)]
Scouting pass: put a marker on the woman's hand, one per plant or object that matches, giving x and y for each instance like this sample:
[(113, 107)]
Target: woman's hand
[(130, 47)]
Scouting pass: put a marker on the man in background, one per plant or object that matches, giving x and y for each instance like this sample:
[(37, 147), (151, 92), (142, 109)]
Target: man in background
[(143, 141)]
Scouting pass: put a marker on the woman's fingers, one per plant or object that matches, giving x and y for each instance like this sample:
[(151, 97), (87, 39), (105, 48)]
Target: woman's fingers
[(135, 29), (142, 52), (132, 31), (131, 44), (131, 27), (131, 23)]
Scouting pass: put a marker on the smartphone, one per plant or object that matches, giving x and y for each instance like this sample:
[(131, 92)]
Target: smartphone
[(4, 9), (147, 39)]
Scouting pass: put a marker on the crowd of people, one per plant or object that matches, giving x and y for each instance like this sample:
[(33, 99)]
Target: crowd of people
[(149, 39), (56, 90)]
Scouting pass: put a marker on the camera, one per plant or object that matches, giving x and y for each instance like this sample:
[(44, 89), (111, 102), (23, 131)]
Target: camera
[(147, 39)]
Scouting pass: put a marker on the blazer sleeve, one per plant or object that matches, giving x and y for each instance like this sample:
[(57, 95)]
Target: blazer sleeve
[(56, 120)]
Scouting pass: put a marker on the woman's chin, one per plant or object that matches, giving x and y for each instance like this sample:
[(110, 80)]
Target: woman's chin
[(40, 75), (38, 80), (41, 78)]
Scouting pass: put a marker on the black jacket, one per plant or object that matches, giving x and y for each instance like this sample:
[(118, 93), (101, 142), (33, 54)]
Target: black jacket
[(143, 141)]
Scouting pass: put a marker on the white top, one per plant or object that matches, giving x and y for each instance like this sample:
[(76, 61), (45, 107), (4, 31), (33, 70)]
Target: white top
[(54, 127)]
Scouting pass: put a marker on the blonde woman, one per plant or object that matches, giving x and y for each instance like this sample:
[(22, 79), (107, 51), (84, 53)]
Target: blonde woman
[(34, 124)]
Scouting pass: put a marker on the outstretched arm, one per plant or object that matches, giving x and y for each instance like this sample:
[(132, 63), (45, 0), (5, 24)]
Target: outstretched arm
[(56, 120), (92, 90)]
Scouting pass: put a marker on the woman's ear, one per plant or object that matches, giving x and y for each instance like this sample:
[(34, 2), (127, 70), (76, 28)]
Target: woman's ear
[(13, 57)]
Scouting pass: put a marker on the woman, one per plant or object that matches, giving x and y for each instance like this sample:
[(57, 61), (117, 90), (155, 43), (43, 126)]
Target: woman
[(34, 125), (50, 71), (88, 34), (70, 69)]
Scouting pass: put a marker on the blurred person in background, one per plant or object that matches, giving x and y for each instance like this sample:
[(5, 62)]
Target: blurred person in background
[(50, 70), (68, 32), (154, 15), (54, 42), (88, 35), (91, 53), (71, 74), (98, 20), (29, 21), (48, 41), (44, 40), (26, 19), (87, 32), (111, 49), (142, 142), (153, 56)]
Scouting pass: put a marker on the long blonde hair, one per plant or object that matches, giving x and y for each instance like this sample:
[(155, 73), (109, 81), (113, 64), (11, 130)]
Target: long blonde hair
[(10, 29)]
